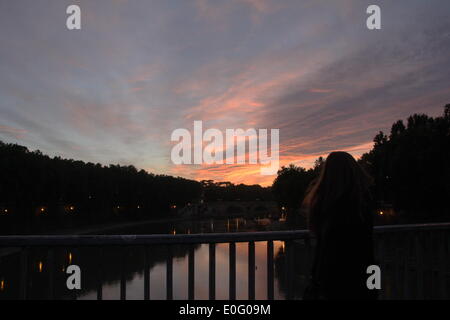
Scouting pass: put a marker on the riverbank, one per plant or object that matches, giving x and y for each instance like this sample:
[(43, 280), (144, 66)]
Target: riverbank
[(113, 226)]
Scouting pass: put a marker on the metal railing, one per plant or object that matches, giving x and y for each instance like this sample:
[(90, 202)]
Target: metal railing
[(211, 239), (415, 260)]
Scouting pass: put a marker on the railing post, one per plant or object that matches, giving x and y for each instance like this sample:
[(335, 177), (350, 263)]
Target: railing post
[(442, 270), (396, 267), (75, 250), (100, 273), (232, 271), (289, 269), (406, 266), (191, 271), (23, 273), (169, 274), (212, 271), (447, 255), (123, 282), (50, 268), (146, 274), (251, 270), (309, 253), (270, 270), (419, 266), (381, 262)]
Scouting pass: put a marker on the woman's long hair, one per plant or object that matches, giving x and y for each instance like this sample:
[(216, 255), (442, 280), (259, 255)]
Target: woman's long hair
[(341, 181)]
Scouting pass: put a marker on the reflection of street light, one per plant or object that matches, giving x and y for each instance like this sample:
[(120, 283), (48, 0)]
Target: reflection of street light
[(2, 285), (40, 266)]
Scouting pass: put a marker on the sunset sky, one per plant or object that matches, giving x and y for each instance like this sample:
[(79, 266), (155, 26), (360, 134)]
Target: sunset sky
[(114, 91)]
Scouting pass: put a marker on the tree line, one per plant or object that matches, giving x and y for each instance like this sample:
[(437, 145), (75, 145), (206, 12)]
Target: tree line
[(411, 165), (227, 191), (39, 191)]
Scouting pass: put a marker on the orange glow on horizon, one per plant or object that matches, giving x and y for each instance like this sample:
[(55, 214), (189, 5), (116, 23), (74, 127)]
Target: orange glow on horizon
[(250, 173)]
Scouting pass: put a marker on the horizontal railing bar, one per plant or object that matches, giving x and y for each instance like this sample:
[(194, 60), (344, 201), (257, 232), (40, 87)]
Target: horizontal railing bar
[(131, 240), (124, 240), (412, 227)]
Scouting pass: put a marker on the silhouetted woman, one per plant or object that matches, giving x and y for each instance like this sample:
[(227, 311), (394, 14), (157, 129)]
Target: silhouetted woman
[(340, 216)]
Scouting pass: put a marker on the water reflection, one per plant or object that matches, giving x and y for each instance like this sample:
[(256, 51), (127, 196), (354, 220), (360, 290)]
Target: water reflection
[(262, 223), (135, 282)]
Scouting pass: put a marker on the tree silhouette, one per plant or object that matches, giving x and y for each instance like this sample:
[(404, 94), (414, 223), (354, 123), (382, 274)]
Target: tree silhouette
[(290, 187), (227, 191), (37, 191), (411, 166)]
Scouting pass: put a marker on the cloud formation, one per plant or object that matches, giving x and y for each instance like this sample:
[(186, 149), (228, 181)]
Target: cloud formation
[(114, 91)]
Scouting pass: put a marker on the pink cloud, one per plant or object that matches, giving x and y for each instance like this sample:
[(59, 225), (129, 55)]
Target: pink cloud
[(15, 132), (320, 90)]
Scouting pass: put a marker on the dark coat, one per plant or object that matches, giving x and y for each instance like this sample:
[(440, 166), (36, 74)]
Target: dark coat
[(344, 250)]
